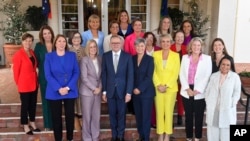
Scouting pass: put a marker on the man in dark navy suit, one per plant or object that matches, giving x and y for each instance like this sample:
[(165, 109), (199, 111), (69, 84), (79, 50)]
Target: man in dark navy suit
[(117, 82)]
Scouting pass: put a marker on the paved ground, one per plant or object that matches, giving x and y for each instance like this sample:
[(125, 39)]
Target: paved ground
[(8, 89)]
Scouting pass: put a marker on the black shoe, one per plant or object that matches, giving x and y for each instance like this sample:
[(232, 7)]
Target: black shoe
[(179, 120), (29, 133), (113, 139), (120, 139), (34, 130)]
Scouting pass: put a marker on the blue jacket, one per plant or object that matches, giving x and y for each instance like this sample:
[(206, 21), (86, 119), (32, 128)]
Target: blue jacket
[(61, 71), (87, 35), (122, 80)]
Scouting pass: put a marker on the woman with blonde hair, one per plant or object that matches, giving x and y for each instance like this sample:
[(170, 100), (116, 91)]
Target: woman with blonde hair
[(167, 65), (90, 91), (125, 27), (195, 71), (94, 32), (165, 27)]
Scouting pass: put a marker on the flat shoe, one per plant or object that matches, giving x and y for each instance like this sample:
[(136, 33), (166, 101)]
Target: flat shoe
[(29, 133), (36, 130)]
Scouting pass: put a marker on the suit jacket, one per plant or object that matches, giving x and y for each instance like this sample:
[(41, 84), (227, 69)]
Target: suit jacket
[(143, 76), (61, 71), (129, 46), (228, 95), (129, 31), (203, 72), (89, 78), (168, 75), (122, 80), (24, 71), (87, 35)]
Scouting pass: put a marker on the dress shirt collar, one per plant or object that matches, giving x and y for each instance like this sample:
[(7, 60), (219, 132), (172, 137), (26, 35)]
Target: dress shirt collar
[(118, 53)]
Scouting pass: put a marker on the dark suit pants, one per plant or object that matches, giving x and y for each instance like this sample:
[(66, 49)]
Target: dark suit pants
[(194, 111), (28, 106), (117, 116), (56, 109), (143, 109)]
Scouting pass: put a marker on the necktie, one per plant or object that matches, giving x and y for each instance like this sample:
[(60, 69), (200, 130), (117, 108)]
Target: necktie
[(115, 62)]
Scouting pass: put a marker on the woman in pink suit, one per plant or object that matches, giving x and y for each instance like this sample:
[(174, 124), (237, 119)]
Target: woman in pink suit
[(90, 89), (25, 76), (130, 39)]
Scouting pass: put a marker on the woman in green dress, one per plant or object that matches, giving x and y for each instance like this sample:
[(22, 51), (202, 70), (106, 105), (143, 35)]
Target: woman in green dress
[(46, 37)]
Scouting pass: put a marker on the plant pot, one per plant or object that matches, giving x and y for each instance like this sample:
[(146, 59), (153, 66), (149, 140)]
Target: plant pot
[(9, 51), (245, 81)]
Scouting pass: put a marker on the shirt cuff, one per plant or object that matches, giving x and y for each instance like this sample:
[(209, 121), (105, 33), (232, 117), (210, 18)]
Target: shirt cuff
[(104, 92)]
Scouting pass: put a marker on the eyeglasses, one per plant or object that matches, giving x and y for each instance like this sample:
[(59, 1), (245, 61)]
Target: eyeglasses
[(116, 43)]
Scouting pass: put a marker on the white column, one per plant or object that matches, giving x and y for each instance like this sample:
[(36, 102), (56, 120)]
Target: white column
[(155, 14)]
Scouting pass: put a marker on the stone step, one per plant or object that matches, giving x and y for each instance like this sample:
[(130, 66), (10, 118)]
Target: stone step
[(14, 122), (17, 134), (14, 108)]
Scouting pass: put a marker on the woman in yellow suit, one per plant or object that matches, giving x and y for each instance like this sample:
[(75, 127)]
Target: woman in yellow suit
[(167, 65)]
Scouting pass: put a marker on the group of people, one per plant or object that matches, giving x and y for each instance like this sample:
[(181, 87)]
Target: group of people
[(137, 72)]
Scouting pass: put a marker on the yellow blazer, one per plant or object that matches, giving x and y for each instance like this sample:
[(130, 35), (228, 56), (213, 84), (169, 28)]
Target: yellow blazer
[(168, 75)]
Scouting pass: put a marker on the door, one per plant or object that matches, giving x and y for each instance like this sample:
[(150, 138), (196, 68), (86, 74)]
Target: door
[(107, 10)]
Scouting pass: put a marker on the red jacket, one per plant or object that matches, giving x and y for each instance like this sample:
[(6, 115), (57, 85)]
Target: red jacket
[(25, 74), (183, 49)]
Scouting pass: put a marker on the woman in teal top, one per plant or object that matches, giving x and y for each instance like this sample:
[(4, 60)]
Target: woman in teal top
[(46, 37)]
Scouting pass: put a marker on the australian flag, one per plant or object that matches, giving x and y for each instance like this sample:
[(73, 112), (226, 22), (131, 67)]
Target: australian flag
[(46, 8), (164, 8)]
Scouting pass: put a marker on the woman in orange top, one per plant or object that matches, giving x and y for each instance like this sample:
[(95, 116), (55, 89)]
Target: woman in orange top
[(25, 76)]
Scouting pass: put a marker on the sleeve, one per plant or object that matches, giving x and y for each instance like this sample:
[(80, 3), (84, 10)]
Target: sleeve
[(126, 44), (106, 44), (16, 67), (130, 75), (182, 75), (207, 71), (236, 90), (84, 74), (174, 77), (156, 79), (49, 73), (84, 39), (76, 71)]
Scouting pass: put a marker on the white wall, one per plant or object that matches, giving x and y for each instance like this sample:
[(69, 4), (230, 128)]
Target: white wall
[(242, 31), (226, 23)]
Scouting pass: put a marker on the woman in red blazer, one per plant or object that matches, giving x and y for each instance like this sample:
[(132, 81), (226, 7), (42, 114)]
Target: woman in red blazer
[(182, 50), (25, 76)]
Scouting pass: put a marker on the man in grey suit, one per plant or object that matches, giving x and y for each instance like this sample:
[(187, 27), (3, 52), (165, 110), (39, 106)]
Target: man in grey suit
[(117, 82)]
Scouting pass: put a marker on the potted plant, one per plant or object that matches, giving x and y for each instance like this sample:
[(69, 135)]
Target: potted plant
[(35, 18), (13, 27), (245, 78)]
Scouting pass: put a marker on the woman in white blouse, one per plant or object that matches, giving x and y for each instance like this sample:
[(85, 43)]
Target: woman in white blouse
[(222, 95), (114, 29), (195, 71), (90, 88)]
